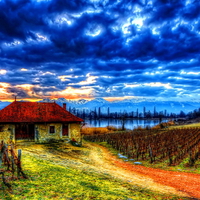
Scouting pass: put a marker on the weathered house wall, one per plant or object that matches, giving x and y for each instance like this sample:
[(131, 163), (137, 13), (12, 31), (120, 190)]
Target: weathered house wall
[(42, 133), (7, 132), (74, 132)]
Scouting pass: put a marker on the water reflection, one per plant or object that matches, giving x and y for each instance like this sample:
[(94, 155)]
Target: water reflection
[(129, 123)]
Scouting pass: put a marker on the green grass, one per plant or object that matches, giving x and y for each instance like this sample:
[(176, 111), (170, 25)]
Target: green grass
[(48, 180), (182, 167)]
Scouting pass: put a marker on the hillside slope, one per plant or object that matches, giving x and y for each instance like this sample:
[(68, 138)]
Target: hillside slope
[(96, 159)]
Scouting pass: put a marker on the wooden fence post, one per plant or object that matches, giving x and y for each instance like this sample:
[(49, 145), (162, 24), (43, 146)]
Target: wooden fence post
[(19, 162), (6, 156), (10, 161), (1, 157), (19, 166), (150, 153)]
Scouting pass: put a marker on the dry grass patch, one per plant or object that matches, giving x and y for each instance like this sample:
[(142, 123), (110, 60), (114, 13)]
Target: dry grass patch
[(95, 131)]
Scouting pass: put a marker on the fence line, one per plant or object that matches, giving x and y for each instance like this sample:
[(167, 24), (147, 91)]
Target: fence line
[(10, 161)]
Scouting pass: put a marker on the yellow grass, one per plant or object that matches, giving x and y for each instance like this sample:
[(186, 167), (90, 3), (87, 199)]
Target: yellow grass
[(94, 130), (163, 125), (186, 125)]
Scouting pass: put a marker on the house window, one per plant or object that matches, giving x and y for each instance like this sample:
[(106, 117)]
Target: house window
[(51, 129), (1, 128)]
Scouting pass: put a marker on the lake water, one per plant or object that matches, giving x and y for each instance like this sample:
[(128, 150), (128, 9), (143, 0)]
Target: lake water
[(129, 123)]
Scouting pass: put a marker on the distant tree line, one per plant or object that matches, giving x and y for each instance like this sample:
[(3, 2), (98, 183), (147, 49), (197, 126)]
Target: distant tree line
[(98, 114), (194, 114)]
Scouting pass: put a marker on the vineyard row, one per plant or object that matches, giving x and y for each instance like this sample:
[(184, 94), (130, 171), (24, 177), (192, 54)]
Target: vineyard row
[(155, 145)]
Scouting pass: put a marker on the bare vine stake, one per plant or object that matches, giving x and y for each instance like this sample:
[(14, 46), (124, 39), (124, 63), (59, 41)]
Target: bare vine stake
[(150, 153), (19, 162), (13, 165), (19, 167), (4, 180), (5, 151), (1, 158), (12, 159)]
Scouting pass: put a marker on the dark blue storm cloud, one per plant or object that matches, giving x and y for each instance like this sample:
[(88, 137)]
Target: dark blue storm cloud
[(99, 48)]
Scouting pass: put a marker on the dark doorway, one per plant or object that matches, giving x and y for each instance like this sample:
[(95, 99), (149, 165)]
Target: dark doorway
[(65, 130), (24, 131)]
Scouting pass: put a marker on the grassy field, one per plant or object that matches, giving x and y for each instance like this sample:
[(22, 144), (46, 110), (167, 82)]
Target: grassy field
[(50, 180), (186, 126)]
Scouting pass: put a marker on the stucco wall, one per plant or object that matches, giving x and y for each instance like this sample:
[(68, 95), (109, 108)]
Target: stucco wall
[(75, 132), (7, 133), (42, 133)]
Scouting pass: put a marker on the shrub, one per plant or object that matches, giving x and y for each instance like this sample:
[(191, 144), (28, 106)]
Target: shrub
[(112, 128), (94, 130)]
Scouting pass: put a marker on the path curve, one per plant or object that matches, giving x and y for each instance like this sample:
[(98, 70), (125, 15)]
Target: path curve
[(185, 182), (102, 158), (96, 158)]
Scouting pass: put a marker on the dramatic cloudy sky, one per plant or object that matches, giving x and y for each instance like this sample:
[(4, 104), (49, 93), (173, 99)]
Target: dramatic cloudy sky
[(100, 48)]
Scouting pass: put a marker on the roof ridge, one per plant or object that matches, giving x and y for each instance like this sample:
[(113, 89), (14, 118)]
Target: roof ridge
[(36, 112)]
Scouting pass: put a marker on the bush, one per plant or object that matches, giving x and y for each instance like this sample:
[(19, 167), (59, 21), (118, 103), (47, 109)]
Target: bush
[(94, 131), (164, 125), (111, 128)]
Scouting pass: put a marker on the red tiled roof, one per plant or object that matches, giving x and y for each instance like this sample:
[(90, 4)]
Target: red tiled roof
[(36, 112)]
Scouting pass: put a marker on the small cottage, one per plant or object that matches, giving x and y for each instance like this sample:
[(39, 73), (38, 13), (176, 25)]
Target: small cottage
[(38, 121)]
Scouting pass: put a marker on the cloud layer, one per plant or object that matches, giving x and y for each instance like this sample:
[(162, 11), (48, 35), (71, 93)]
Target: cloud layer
[(99, 48)]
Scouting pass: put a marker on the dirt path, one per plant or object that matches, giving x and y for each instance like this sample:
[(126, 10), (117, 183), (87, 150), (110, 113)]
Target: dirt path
[(104, 160), (97, 159), (188, 183)]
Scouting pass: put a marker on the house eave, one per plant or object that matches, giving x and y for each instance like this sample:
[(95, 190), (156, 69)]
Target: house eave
[(34, 122)]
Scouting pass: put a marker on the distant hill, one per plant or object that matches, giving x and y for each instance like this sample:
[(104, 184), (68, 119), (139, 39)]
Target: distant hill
[(127, 105), (3, 104)]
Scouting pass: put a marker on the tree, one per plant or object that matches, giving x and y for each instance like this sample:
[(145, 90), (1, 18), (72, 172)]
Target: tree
[(99, 113), (160, 115), (165, 115), (83, 113), (148, 114), (144, 112), (182, 114), (95, 113), (108, 114), (137, 113), (123, 120)]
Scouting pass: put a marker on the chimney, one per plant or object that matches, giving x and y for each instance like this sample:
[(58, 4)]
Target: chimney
[(65, 106)]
